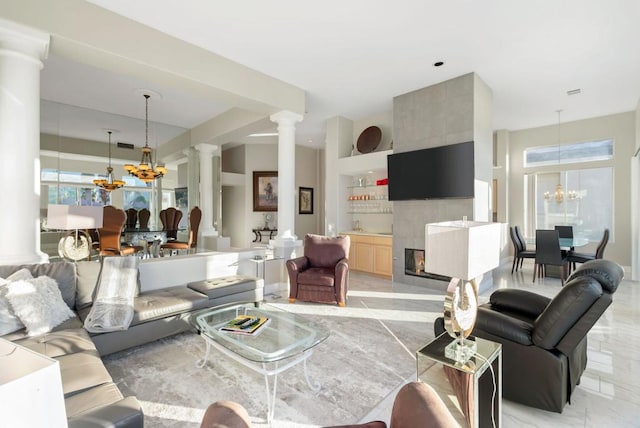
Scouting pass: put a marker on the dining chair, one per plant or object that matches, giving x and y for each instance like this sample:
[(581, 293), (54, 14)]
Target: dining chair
[(524, 253), (132, 218), (565, 232), (170, 219), (574, 257), (548, 253), (143, 218), (519, 254), (195, 215), (113, 220)]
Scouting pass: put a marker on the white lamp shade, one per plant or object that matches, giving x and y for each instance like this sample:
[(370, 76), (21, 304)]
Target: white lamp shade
[(71, 217), (462, 250), (30, 388)]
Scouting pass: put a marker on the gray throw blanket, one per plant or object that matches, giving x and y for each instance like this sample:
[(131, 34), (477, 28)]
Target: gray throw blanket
[(112, 308)]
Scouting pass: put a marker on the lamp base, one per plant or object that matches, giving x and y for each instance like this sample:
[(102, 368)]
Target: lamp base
[(461, 351)]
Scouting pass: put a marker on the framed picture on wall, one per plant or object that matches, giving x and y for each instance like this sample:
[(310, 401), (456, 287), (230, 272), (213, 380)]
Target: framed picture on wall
[(265, 190), (182, 197), (305, 200)]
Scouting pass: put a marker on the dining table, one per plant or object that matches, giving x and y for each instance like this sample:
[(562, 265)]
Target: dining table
[(152, 238), (569, 243), (565, 243)]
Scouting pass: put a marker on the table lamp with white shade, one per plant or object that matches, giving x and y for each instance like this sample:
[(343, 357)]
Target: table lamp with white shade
[(30, 388), (463, 250), (77, 244)]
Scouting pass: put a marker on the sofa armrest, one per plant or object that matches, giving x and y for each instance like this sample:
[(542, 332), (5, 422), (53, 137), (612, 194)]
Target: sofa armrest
[(297, 265), (125, 413), (341, 275), (294, 267), (519, 301), (503, 326)]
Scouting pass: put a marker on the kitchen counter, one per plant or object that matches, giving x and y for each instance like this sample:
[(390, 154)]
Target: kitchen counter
[(363, 233), (371, 252)]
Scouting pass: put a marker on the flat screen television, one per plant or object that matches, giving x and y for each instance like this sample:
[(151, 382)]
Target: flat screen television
[(433, 173)]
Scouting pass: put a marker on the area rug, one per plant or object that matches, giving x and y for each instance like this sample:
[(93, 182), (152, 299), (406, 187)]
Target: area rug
[(369, 354)]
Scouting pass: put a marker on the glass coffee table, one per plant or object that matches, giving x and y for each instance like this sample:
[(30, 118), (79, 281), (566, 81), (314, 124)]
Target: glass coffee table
[(285, 341)]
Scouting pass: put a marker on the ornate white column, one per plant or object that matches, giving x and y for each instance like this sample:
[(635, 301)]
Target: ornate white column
[(286, 121), (206, 191), (22, 50)]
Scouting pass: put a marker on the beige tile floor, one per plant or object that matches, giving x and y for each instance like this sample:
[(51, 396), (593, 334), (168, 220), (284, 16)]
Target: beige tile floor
[(609, 392)]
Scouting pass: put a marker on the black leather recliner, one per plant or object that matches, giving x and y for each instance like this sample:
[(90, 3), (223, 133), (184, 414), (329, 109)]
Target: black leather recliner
[(544, 341)]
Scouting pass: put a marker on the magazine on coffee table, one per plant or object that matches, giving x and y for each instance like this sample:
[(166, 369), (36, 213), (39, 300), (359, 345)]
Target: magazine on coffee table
[(245, 324)]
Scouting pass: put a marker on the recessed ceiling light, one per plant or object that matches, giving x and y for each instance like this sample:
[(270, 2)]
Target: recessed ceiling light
[(574, 91), (438, 63), (264, 134)]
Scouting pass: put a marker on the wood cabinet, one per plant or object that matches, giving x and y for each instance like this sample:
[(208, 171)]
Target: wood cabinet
[(371, 254)]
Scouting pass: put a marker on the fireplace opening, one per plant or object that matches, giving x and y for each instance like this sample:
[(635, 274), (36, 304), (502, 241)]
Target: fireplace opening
[(414, 265)]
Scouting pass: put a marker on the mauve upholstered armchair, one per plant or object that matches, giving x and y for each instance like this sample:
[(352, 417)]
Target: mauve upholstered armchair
[(321, 275), (416, 405)]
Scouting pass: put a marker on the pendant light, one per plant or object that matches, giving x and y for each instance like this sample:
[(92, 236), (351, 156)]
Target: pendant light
[(146, 170), (109, 184)]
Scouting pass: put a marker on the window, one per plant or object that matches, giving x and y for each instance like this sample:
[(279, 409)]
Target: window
[(167, 199), (581, 198), (589, 151), (137, 199), (77, 195)]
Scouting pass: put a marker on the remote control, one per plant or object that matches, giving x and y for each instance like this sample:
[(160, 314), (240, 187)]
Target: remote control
[(252, 323)]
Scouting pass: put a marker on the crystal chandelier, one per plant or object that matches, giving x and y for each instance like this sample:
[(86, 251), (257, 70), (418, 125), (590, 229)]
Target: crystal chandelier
[(109, 184), (146, 171)]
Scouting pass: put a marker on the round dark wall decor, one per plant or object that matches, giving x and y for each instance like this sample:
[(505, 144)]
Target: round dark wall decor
[(369, 139)]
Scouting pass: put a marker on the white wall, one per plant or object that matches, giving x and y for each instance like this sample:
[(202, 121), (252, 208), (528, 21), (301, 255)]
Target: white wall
[(233, 226), (307, 175), (238, 217), (258, 157), (620, 127)]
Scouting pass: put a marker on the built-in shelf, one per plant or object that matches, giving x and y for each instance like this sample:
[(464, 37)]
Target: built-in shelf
[(369, 212), (366, 186)]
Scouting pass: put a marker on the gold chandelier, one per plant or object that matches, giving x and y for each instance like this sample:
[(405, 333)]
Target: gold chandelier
[(146, 171), (109, 184)]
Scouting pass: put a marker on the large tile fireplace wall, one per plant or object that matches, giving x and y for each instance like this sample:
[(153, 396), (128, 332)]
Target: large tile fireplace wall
[(450, 112)]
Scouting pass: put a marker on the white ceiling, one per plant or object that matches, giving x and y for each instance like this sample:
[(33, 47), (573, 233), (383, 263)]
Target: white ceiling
[(81, 101), (352, 57)]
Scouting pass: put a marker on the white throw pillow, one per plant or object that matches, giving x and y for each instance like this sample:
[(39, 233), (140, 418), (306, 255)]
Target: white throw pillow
[(38, 304), (8, 320)]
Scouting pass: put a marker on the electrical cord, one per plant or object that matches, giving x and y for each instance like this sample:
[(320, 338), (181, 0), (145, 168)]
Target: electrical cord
[(493, 396)]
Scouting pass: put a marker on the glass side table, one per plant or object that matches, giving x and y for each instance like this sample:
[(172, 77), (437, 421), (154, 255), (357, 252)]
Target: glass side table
[(466, 389)]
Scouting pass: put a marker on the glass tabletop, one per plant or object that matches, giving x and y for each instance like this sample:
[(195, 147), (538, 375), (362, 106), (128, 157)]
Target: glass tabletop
[(286, 334), (576, 241), (435, 350)]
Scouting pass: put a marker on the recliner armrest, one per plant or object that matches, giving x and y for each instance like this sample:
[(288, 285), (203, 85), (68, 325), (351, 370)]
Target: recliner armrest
[(521, 301), (503, 326), (125, 413)]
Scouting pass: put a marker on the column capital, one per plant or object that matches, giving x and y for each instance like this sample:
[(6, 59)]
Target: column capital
[(206, 148), (19, 39), (286, 117)]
